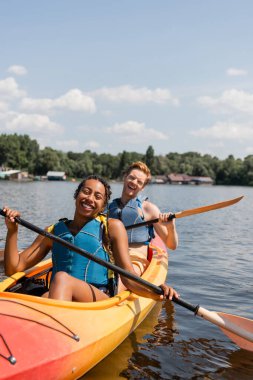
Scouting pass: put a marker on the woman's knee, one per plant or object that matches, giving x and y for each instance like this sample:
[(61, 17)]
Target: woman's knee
[(61, 278)]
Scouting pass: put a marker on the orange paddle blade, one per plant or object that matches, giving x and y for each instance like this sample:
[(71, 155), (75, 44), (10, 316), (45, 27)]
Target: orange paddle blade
[(214, 206), (238, 329), (241, 323)]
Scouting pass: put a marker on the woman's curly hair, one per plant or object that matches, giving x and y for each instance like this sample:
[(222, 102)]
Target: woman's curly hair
[(107, 187)]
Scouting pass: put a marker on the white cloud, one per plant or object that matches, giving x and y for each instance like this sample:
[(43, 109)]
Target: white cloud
[(226, 131), (229, 100), (34, 124), (3, 107), (17, 69), (41, 105), (74, 100), (136, 95), (135, 132), (9, 89), (233, 72)]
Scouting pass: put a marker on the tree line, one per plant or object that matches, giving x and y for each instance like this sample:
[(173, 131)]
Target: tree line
[(22, 152)]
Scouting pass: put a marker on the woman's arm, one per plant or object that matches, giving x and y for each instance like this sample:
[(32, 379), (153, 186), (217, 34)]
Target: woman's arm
[(119, 243), (164, 228), (15, 261)]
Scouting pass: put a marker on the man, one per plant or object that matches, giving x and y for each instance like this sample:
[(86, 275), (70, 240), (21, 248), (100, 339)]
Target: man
[(131, 209)]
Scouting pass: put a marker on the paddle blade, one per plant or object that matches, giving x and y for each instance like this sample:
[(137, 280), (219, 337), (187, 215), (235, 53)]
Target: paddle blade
[(200, 210), (241, 323), (238, 329)]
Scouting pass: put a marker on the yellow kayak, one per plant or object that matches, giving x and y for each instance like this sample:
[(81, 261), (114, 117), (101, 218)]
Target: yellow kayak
[(42, 338)]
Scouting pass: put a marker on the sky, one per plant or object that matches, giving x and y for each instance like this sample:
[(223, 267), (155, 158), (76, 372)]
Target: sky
[(110, 75)]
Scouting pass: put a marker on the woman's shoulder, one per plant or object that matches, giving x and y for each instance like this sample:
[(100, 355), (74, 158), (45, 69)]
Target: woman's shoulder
[(115, 223), (115, 226)]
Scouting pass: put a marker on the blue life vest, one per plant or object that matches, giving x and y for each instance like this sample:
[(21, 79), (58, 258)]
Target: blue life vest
[(88, 238), (132, 213)]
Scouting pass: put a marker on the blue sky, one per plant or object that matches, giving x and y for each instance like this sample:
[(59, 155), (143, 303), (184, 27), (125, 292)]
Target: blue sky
[(122, 75)]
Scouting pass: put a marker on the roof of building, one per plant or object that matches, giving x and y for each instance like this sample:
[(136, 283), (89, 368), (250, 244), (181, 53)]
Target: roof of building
[(178, 177), (7, 173), (185, 178), (202, 179), (55, 174)]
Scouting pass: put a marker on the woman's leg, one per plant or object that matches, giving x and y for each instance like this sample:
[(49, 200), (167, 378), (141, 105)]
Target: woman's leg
[(68, 288)]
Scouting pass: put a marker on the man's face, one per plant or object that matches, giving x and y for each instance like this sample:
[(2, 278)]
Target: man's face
[(134, 182)]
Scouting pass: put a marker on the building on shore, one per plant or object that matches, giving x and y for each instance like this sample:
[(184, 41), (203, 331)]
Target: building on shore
[(202, 180), (184, 179), (14, 175), (179, 179), (159, 179), (56, 176)]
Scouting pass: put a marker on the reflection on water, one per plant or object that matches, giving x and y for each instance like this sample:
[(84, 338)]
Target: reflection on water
[(241, 366), (111, 367), (147, 362), (211, 267)]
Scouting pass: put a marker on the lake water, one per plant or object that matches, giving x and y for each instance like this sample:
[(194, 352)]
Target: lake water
[(212, 267)]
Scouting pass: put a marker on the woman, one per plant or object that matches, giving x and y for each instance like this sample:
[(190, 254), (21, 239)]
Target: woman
[(76, 278)]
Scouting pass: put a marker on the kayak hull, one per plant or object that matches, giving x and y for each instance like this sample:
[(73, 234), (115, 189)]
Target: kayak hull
[(51, 339)]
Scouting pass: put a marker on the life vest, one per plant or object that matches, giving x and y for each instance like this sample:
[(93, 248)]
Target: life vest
[(132, 213), (88, 238)]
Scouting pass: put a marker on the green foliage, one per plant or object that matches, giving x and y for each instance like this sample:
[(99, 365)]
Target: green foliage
[(124, 160), (21, 152), (149, 158), (18, 151)]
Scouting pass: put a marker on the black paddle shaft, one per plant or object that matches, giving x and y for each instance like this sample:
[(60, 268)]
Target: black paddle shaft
[(186, 305), (148, 222)]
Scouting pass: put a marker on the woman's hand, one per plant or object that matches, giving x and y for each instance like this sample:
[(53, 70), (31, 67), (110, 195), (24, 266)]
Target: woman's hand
[(168, 292), (10, 222)]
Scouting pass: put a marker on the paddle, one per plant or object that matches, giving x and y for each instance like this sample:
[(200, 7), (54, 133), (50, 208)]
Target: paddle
[(193, 211), (238, 329)]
